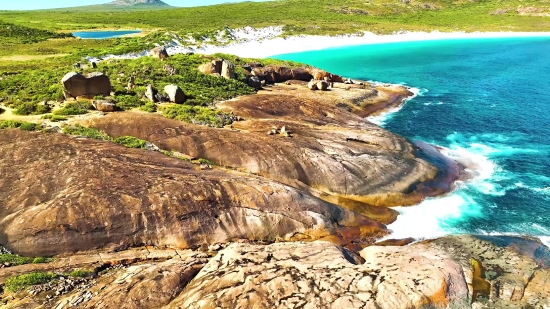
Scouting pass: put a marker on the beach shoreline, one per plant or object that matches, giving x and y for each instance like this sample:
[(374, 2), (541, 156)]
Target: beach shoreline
[(263, 48)]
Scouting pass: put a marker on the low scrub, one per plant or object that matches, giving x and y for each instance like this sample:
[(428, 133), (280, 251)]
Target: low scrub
[(23, 125), (195, 114), (149, 107), (54, 118), (81, 131), (128, 102), (130, 142), (20, 282), (74, 108), (30, 108), (15, 260)]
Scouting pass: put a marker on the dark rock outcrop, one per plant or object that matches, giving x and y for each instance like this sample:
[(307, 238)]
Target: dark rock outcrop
[(90, 85), (160, 52), (175, 93)]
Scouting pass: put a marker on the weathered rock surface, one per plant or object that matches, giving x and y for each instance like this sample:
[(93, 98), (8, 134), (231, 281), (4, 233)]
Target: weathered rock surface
[(438, 273), (103, 106), (228, 70), (151, 93), (159, 52), (366, 163), (255, 82), (208, 68), (77, 195), (90, 85), (175, 93)]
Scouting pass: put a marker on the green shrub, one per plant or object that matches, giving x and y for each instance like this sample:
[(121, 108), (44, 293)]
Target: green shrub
[(130, 142), (79, 273), (20, 282), (127, 102), (23, 125), (194, 114), (74, 108), (149, 107), (206, 161), (40, 260), (79, 130), (54, 118), (30, 108)]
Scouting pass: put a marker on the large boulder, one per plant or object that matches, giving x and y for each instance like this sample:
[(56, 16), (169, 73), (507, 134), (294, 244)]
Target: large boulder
[(282, 74), (208, 68), (301, 74), (90, 85), (151, 94), (266, 74), (322, 85), (175, 94), (217, 64), (312, 85), (159, 52), (228, 70), (255, 82), (104, 106)]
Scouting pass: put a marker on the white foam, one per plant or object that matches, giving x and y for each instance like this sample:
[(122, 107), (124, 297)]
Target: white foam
[(386, 116)]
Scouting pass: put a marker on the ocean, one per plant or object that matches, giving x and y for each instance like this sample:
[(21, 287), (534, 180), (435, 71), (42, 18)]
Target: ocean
[(487, 102)]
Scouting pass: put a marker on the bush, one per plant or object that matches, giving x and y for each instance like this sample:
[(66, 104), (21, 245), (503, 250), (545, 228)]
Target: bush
[(79, 273), (54, 118), (30, 108), (149, 107), (127, 102), (194, 114), (20, 282), (206, 161), (74, 108), (130, 142), (23, 125), (79, 130)]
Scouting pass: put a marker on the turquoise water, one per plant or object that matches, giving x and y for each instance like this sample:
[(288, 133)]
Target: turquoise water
[(488, 103), (104, 34)]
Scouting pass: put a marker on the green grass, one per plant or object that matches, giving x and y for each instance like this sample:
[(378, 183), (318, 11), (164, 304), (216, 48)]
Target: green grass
[(30, 108), (74, 108), (21, 282), (23, 125), (54, 118), (79, 130), (149, 107), (194, 114), (15, 260), (130, 142)]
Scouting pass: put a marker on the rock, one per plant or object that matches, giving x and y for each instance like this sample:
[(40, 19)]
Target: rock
[(319, 74), (282, 74), (94, 65), (255, 82), (301, 74), (159, 52), (175, 94), (336, 78), (265, 74), (228, 70), (186, 208), (151, 94), (218, 65), (104, 106), (90, 85), (208, 68), (170, 70), (312, 85), (322, 85)]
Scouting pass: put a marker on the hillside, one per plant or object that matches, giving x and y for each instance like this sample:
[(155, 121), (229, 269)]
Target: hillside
[(146, 3), (314, 17)]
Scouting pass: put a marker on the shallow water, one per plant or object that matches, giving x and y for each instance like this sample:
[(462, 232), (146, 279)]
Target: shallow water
[(487, 102), (98, 35)]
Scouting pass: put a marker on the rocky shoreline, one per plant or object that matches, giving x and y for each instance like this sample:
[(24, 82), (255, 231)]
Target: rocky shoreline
[(283, 210)]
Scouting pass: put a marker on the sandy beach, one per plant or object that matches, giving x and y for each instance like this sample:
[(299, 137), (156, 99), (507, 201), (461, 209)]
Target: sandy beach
[(261, 48)]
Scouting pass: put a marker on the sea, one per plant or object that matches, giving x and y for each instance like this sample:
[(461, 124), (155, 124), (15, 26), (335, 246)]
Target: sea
[(487, 103)]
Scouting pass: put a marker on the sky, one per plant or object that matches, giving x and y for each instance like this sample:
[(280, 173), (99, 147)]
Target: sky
[(48, 4)]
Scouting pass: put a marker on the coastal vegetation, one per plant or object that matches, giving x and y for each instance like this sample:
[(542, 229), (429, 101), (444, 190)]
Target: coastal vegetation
[(20, 282)]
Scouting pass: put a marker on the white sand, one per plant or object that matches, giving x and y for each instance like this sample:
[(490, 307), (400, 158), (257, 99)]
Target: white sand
[(265, 42), (278, 46)]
